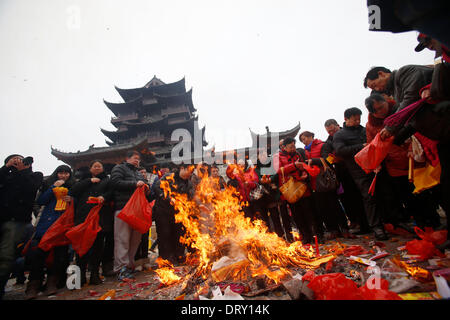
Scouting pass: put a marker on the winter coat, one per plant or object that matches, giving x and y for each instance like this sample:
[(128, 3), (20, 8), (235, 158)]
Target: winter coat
[(49, 215), (176, 184), (405, 83), (17, 193), (238, 181), (396, 160), (287, 162), (347, 142), (316, 148), (84, 189), (124, 178)]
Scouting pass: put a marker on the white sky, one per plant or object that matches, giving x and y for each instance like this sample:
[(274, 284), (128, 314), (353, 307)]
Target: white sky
[(250, 64)]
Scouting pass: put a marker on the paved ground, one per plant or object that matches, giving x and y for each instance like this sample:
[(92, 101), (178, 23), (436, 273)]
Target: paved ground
[(147, 286)]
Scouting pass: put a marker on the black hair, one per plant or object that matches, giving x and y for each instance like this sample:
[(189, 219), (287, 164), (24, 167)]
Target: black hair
[(329, 122), (131, 153), (369, 101), (306, 134), (352, 112), (372, 74), (287, 141), (54, 177), (94, 161)]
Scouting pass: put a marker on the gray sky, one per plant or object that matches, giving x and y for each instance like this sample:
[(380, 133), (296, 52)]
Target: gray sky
[(250, 63)]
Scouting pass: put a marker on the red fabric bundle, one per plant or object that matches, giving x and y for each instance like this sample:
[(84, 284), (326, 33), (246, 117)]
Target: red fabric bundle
[(382, 293), (334, 286), (425, 249), (138, 211), (83, 235), (429, 148), (55, 236), (435, 237), (371, 156)]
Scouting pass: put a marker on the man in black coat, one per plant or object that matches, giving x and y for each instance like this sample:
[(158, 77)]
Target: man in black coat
[(18, 187), (403, 84), (125, 178), (351, 198), (169, 232), (348, 142)]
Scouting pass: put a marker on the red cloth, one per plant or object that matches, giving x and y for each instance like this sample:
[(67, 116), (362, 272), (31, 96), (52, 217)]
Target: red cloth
[(250, 176), (397, 159), (316, 148), (287, 161), (429, 148)]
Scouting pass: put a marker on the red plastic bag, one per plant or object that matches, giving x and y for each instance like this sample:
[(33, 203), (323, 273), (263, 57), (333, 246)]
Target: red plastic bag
[(138, 211), (425, 249), (399, 231), (83, 235), (55, 236), (435, 237), (334, 286), (371, 156), (381, 293)]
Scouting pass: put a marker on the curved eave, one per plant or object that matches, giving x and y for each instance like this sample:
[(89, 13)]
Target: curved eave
[(101, 150), (282, 134), (132, 105), (129, 94), (174, 88), (145, 123)]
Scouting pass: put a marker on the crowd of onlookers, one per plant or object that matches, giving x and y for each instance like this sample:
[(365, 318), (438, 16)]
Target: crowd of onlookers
[(339, 199)]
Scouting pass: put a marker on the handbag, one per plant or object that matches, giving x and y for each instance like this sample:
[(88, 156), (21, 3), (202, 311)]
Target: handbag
[(257, 193), (292, 190), (326, 180)]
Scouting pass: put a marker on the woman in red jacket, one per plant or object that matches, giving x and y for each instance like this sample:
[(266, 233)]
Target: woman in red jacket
[(289, 163), (244, 179)]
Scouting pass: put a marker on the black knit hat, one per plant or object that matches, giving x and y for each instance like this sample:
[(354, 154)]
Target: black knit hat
[(12, 156)]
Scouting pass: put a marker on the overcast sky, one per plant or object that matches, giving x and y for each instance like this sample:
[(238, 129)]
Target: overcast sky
[(250, 63)]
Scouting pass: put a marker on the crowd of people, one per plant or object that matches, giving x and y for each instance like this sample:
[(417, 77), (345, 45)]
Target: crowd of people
[(338, 199)]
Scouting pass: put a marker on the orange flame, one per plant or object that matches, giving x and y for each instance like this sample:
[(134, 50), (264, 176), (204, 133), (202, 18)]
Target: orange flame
[(216, 226)]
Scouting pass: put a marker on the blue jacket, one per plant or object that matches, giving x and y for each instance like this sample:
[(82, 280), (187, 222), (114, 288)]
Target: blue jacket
[(49, 215)]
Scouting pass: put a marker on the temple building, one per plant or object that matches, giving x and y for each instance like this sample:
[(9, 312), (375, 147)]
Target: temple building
[(144, 122)]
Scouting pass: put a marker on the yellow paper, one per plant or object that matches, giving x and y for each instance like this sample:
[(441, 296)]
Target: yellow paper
[(426, 178)]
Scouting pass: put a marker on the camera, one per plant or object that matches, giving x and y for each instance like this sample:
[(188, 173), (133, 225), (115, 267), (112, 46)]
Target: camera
[(27, 161)]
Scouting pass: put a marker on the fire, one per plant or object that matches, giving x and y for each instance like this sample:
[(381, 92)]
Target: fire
[(216, 227), (166, 273)]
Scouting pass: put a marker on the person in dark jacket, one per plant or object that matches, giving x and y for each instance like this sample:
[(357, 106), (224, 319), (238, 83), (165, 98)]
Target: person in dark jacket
[(18, 187), (328, 210), (96, 185), (56, 271), (125, 178), (169, 246), (348, 142), (349, 194)]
